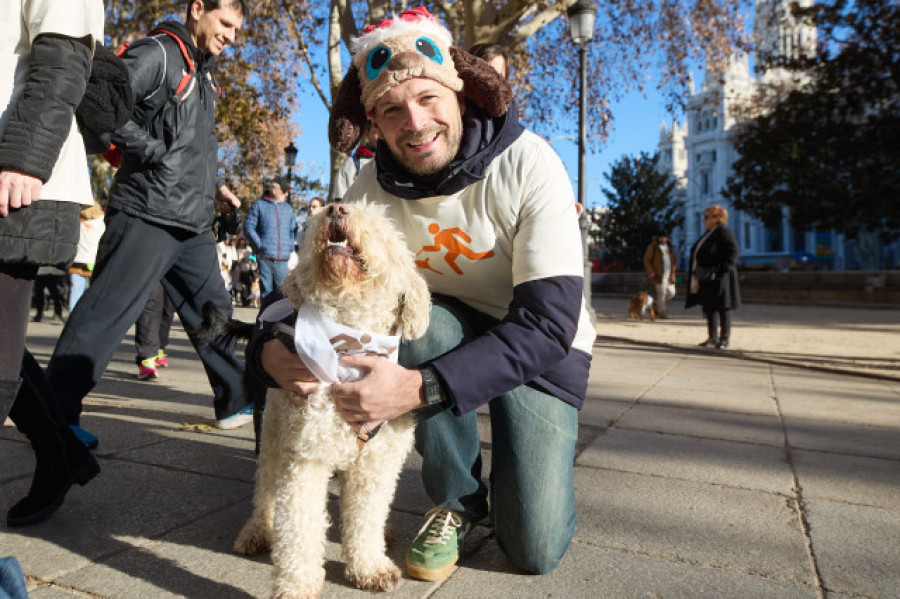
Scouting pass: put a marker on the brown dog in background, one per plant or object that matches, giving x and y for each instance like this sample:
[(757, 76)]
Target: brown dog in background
[(641, 304)]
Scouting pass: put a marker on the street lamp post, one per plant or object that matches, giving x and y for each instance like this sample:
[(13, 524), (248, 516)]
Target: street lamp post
[(581, 25), (290, 157)]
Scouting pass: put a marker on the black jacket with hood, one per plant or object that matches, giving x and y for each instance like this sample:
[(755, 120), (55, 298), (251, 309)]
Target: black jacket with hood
[(168, 148)]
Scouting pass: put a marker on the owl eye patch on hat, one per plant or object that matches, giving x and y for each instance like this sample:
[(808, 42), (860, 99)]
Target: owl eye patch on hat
[(412, 45)]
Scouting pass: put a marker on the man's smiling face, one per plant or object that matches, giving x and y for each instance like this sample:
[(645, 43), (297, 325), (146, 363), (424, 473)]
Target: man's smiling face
[(214, 30), (421, 122)]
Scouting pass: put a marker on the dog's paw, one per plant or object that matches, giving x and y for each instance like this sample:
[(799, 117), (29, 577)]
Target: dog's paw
[(252, 540), (284, 590), (385, 578)]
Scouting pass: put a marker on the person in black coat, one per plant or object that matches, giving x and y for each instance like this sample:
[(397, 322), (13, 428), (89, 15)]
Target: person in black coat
[(712, 276)]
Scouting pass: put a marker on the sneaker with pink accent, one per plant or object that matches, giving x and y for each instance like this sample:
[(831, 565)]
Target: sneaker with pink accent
[(162, 360), (147, 369)]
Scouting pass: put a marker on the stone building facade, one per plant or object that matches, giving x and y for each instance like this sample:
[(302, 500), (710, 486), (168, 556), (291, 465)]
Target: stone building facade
[(698, 153)]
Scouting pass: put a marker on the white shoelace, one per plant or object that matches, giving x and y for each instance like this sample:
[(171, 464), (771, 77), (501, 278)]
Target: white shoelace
[(440, 525)]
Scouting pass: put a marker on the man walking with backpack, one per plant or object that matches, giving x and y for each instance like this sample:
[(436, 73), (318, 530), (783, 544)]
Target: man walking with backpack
[(160, 213)]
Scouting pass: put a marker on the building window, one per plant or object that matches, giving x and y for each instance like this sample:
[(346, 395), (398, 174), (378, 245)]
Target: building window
[(704, 183), (714, 155), (773, 240), (748, 236), (799, 240)]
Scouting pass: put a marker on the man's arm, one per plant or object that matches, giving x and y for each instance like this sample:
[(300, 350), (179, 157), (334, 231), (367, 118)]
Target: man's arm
[(250, 225), (226, 201), (146, 64), (648, 263), (42, 117)]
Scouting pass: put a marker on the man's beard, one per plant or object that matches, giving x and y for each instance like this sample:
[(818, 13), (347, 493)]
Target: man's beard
[(435, 166)]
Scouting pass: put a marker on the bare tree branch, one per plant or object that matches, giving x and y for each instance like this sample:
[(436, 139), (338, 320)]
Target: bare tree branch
[(541, 19), (304, 52)]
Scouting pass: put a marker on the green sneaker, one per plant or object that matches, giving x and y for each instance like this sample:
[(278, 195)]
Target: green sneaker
[(436, 548)]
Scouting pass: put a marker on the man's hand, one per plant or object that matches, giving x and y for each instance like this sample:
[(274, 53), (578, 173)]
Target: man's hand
[(17, 189), (288, 371), (385, 392), (226, 200)]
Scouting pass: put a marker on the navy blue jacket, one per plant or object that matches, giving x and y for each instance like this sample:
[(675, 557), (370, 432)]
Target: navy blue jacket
[(271, 228)]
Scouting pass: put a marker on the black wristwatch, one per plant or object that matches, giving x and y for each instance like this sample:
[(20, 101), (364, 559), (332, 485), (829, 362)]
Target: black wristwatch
[(432, 390)]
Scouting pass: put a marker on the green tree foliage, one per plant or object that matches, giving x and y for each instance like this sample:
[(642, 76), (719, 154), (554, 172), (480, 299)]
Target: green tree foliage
[(640, 207), (829, 150)]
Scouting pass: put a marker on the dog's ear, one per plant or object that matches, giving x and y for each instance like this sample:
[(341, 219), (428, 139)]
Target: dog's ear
[(415, 308), (348, 115), (481, 83)]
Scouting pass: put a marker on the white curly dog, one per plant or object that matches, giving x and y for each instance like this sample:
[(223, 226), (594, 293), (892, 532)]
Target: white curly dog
[(354, 272)]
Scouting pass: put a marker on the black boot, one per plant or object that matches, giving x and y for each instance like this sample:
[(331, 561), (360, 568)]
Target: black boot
[(724, 330), (712, 340), (62, 460)]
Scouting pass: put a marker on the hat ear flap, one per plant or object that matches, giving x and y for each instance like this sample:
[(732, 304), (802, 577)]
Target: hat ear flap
[(348, 115), (481, 83)]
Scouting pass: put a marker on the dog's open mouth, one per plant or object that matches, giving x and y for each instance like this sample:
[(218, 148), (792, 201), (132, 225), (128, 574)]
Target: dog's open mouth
[(338, 242)]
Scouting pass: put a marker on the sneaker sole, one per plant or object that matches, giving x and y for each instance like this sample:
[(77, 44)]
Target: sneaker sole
[(430, 574), (234, 422)]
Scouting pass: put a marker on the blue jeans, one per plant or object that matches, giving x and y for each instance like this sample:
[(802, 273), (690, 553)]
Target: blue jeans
[(271, 275), (77, 285), (12, 581), (533, 441)]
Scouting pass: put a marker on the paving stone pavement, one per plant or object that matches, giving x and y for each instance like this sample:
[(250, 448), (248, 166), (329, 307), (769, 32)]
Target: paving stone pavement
[(697, 475)]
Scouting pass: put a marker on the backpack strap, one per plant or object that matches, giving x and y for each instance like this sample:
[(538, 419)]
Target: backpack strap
[(187, 83)]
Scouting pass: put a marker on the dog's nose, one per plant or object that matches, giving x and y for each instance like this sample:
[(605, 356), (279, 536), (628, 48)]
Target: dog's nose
[(338, 210)]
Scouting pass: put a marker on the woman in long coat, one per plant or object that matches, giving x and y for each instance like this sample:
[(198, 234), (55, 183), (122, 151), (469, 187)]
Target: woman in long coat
[(712, 276)]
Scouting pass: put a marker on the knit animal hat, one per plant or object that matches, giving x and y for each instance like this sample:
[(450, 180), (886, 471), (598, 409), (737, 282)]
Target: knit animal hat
[(414, 44), (419, 47)]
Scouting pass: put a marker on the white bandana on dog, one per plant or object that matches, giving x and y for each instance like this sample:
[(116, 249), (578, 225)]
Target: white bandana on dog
[(320, 342)]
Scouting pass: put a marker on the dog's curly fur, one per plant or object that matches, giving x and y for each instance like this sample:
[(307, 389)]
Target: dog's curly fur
[(371, 285)]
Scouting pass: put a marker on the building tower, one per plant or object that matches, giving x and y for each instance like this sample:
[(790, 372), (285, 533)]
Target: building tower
[(705, 139)]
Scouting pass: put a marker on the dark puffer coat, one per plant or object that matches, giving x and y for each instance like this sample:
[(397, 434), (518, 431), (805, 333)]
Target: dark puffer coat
[(716, 260), (169, 149), (46, 232)]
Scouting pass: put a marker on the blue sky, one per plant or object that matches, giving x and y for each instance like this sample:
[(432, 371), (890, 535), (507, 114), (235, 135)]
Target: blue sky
[(636, 129)]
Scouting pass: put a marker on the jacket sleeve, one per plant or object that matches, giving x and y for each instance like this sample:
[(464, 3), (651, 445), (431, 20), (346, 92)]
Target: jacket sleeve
[(262, 332), (729, 251), (648, 259), (146, 64), (40, 122), (250, 225)]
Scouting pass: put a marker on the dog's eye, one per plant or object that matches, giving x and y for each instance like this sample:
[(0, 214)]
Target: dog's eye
[(429, 49), (378, 58)]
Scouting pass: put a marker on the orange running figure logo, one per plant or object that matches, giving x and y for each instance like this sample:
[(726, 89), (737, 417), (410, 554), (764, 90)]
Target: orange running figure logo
[(448, 239)]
